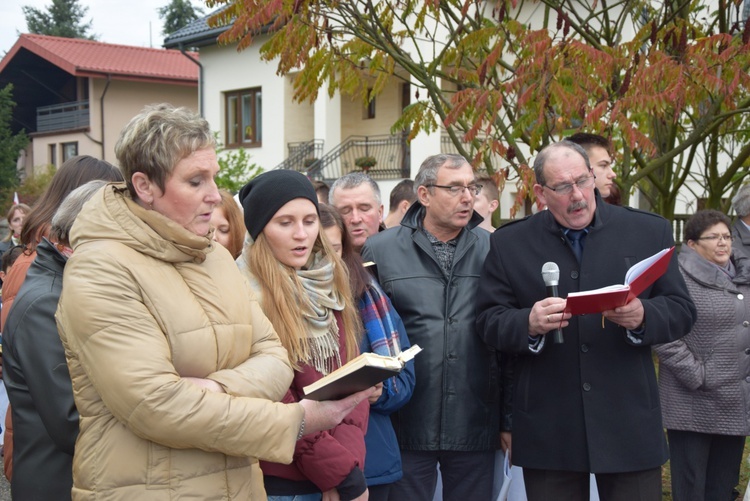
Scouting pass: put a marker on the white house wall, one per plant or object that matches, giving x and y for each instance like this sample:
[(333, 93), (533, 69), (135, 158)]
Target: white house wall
[(226, 70)]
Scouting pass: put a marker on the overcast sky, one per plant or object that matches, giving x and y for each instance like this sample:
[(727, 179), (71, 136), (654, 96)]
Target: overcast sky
[(129, 22)]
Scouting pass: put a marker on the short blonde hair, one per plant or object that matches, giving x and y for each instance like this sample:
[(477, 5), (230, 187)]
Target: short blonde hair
[(156, 139)]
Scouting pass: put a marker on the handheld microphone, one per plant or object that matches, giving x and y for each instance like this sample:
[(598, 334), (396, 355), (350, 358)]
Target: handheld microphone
[(551, 277)]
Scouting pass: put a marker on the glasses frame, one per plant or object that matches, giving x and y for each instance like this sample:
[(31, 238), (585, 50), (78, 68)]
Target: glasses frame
[(716, 238), (567, 188), (456, 189)]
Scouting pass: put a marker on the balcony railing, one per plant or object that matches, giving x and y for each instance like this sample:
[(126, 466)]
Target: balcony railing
[(73, 115), (391, 153), (302, 155)]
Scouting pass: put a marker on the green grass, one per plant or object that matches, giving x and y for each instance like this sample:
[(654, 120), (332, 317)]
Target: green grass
[(744, 476)]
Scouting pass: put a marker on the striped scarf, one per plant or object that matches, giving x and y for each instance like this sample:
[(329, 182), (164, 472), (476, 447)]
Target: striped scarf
[(382, 334)]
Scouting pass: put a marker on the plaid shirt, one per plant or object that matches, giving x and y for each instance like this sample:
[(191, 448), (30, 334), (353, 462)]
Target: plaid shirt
[(443, 250)]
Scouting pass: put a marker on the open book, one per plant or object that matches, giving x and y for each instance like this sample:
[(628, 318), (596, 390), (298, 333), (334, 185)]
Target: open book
[(358, 374), (638, 278)]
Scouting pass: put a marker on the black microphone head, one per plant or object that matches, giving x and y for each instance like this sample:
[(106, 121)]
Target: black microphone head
[(550, 274)]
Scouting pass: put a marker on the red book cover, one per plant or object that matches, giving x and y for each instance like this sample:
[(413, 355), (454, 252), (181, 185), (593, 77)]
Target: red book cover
[(638, 278)]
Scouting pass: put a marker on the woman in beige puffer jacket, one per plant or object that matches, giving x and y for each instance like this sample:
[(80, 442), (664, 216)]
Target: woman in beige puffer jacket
[(176, 372)]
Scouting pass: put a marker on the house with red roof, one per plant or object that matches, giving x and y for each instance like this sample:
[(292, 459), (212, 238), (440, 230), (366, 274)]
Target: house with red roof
[(74, 96)]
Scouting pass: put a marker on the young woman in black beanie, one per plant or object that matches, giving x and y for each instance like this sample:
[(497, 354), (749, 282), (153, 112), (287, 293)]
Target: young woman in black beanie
[(303, 288)]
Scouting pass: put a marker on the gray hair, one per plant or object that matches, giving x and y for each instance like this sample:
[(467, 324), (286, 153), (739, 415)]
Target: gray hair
[(66, 214), (543, 155), (741, 201), (428, 171), (352, 180)]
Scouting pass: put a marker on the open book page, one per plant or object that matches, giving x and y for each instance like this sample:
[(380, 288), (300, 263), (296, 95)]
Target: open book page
[(638, 268), (638, 278), (609, 288), (366, 370)]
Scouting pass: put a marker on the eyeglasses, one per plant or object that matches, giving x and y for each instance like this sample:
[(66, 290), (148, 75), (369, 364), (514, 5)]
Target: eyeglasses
[(715, 238), (474, 189), (567, 189)]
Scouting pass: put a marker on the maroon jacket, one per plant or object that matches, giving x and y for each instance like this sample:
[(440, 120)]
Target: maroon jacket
[(325, 458)]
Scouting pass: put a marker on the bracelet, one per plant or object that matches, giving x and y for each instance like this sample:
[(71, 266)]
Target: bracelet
[(301, 428)]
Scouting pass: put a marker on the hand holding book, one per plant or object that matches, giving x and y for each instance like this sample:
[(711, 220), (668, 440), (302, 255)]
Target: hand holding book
[(637, 279), (365, 371)]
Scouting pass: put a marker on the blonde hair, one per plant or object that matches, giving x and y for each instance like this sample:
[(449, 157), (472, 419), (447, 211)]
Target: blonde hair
[(281, 289)]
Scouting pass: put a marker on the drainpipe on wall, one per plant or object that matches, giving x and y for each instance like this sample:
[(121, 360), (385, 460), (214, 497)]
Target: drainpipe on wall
[(101, 112), (200, 77)]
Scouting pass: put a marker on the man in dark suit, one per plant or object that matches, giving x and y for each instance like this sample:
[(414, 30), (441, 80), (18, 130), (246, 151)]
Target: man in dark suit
[(590, 404)]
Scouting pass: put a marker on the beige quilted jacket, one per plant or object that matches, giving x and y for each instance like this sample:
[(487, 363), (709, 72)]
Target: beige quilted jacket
[(144, 303)]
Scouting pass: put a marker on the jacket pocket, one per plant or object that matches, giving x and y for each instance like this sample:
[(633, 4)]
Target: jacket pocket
[(157, 474)]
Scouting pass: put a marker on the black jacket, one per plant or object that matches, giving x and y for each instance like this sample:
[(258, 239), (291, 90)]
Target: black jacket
[(455, 405), (591, 403), (45, 420)]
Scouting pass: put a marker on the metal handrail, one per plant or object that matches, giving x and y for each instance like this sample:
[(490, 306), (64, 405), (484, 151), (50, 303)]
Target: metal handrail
[(391, 153), (300, 154)]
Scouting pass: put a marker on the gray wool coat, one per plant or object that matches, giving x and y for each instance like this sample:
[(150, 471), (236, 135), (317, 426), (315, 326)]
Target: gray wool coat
[(704, 378)]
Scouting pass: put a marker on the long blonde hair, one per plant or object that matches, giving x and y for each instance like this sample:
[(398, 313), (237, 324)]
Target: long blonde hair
[(280, 298)]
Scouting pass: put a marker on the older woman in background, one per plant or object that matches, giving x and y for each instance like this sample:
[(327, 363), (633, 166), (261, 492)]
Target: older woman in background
[(176, 373), (702, 377), (229, 230), (45, 420)]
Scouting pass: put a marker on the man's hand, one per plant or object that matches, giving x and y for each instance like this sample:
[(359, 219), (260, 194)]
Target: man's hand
[(629, 316), (505, 443), (325, 415), (548, 314)]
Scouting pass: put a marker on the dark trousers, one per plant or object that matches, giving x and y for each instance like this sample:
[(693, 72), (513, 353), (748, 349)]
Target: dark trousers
[(704, 466), (466, 475), (379, 492), (543, 485)]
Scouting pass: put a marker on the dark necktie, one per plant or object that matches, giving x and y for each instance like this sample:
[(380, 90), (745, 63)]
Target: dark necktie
[(576, 242)]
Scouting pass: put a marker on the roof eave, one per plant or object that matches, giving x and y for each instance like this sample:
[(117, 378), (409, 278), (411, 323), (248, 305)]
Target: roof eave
[(203, 39), (189, 82)]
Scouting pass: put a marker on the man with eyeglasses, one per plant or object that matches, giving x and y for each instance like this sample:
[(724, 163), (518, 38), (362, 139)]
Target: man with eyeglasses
[(589, 404), (430, 268)]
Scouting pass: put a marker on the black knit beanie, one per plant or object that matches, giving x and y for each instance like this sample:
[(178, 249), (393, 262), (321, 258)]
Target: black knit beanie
[(267, 193)]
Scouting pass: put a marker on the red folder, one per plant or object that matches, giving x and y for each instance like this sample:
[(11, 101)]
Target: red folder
[(638, 278)]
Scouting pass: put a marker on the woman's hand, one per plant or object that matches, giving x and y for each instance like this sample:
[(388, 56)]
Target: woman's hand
[(207, 384), (376, 395), (325, 415)]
